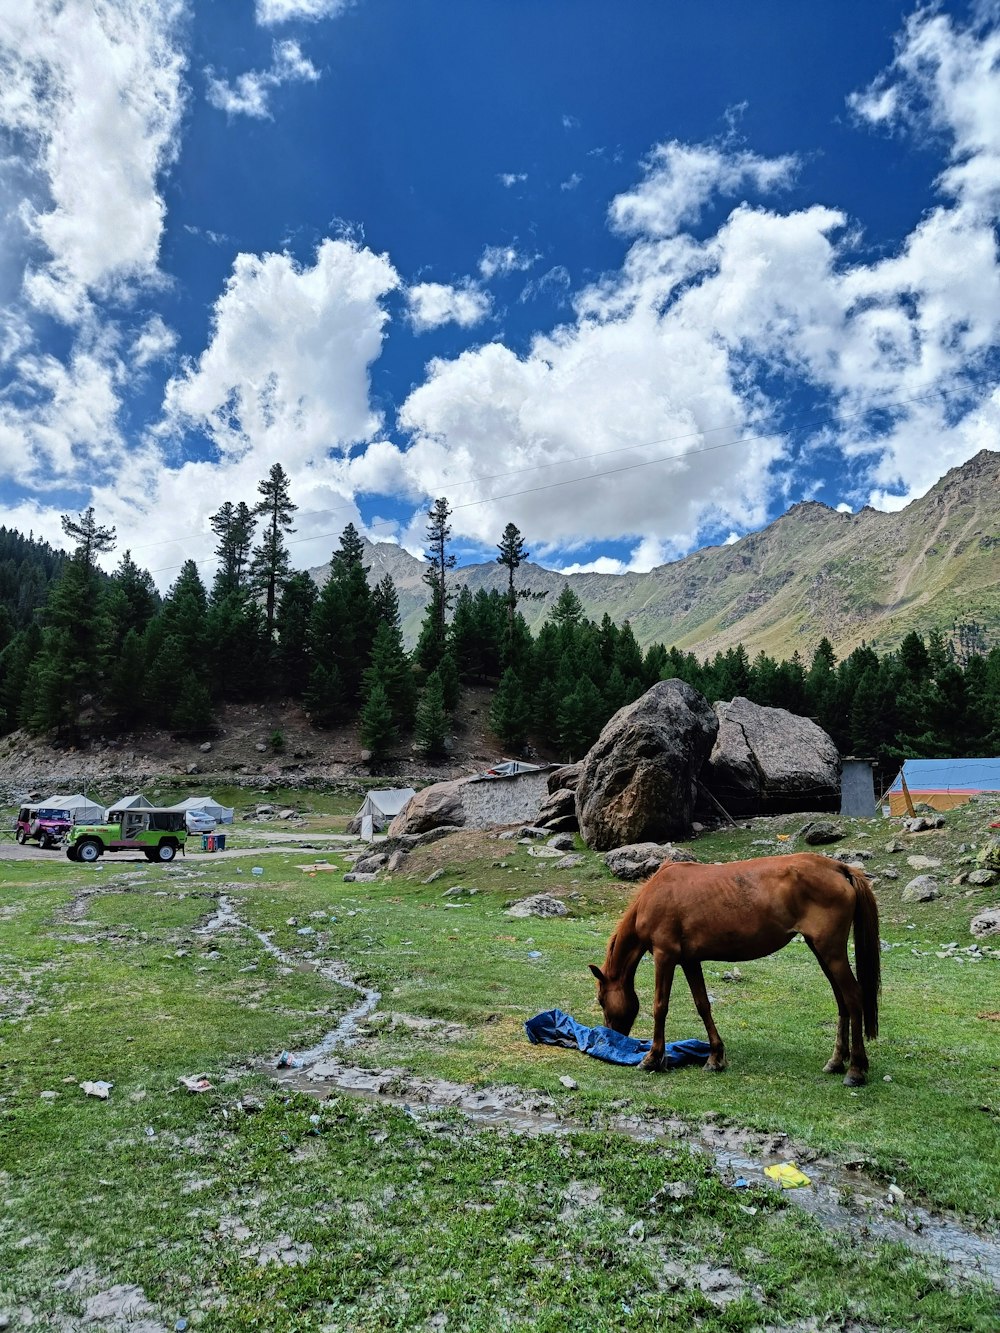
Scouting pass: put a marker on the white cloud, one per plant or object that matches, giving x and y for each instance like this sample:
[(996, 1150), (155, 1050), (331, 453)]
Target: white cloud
[(250, 93), (682, 178), (510, 178), (284, 11), (571, 182), (155, 342), (91, 96), (845, 508), (432, 304), (285, 374), (61, 425), (503, 259)]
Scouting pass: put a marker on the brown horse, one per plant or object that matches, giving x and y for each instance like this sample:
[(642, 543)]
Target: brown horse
[(748, 909)]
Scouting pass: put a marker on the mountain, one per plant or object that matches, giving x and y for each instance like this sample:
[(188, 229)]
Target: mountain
[(869, 576)]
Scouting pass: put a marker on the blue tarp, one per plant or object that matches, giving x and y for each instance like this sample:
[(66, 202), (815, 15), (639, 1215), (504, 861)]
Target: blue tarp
[(554, 1028)]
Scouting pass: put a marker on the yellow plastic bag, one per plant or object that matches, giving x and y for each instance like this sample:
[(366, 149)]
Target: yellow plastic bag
[(788, 1175)]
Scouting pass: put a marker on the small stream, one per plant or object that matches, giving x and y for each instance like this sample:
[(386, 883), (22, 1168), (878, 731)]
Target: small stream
[(839, 1198)]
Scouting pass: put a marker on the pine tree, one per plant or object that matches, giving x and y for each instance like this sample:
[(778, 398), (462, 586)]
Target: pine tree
[(512, 555), (91, 539), (291, 623), (390, 667), (352, 646), (431, 722), (509, 713), (433, 640), (378, 729), (270, 564), (233, 524), (451, 688)]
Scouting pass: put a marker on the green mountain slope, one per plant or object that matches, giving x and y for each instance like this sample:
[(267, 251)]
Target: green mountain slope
[(868, 576)]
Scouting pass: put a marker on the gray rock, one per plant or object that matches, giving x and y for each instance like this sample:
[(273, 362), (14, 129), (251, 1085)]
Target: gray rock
[(531, 833), (923, 863), (920, 823), (565, 777), (890, 874), (569, 862), (563, 824), (562, 842), (982, 877), (639, 860), (770, 761), (372, 863), (395, 861), (540, 904), (206, 747), (986, 923), (559, 804), (637, 781), (923, 889), (895, 846), (360, 877), (437, 805), (821, 831)]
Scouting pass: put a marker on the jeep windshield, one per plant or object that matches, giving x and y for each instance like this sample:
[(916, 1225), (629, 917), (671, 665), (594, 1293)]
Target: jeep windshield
[(50, 813)]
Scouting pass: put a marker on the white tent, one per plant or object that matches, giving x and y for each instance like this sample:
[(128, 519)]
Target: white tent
[(222, 814), (134, 802), (381, 807), (82, 808)]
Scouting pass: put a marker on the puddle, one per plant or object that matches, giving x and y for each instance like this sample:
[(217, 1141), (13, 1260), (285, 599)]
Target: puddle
[(839, 1198)]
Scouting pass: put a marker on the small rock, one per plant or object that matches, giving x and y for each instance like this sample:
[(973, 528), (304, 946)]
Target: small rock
[(568, 1082), (206, 747), (982, 877), (923, 889), (895, 846), (540, 904), (923, 863), (986, 923), (821, 831), (734, 974)]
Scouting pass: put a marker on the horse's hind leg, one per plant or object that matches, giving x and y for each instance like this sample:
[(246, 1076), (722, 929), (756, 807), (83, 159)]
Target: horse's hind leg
[(661, 1003), (696, 980), (836, 1062), (837, 967)]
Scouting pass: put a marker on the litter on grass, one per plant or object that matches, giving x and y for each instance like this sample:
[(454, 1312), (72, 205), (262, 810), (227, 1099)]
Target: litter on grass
[(788, 1176), (287, 1061), (97, 1088), (554, 1028), (196, 1083)]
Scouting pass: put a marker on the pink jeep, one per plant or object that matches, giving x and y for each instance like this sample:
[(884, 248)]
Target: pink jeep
[(44, 824)]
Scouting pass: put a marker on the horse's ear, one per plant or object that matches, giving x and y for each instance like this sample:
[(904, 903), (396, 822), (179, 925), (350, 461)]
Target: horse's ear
[(597, 972)]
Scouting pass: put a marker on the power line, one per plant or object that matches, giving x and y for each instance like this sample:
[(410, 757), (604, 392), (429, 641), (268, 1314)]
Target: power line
[(570, 481)]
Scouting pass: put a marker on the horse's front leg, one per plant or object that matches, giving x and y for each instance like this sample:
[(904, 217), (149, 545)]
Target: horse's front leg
[(696, 980), (661, 1003)]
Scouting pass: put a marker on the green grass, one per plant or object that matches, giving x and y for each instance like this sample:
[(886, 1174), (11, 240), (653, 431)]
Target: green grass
[(395, 1223)]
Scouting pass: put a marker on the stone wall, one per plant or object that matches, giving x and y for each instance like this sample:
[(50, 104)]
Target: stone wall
[(504, 800)]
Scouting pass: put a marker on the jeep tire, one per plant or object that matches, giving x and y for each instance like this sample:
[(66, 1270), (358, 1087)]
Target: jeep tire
[(166, 851), (21, 836), (88, 850)]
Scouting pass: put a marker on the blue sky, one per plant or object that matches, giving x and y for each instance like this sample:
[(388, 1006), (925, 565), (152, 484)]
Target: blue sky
[(635, 277)]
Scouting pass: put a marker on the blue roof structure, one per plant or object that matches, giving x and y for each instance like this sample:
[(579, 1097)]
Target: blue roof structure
[(958, 776)]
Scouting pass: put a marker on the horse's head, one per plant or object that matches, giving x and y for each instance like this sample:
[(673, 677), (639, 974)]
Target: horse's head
[(618, 1001)]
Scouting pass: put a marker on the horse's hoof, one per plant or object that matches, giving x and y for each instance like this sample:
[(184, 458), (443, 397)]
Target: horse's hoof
[(716, 1066), (651, 1063), (854, 1080), (833, 1067)]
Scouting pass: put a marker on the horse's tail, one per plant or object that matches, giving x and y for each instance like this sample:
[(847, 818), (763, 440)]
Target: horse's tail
[(867, 948)]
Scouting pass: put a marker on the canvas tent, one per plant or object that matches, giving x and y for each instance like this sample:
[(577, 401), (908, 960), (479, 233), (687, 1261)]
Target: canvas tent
[(223, 814), (82, 808), (942, 783), (134, 802), (381, 807)]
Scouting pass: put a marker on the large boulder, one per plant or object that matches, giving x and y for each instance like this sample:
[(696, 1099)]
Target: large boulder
[(435, 805), (637, 782), (770, 761), (565, 777)]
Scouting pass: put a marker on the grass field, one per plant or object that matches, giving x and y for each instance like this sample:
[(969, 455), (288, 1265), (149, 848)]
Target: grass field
[(250, 1207)]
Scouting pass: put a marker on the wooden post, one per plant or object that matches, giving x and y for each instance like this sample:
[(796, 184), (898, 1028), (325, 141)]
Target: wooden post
[(906, 794), (721, 808)]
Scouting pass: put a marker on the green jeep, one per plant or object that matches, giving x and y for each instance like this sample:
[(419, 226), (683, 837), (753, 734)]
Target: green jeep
[(158, 834)]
